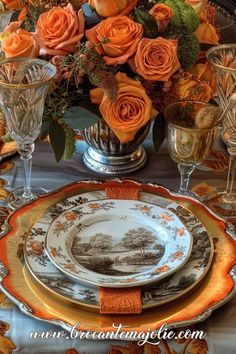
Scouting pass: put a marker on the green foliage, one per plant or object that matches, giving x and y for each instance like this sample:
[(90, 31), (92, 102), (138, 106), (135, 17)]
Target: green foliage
[(70, 142), (188, 49), (158, 131), (57, 137), (77, 117), (148, 21)]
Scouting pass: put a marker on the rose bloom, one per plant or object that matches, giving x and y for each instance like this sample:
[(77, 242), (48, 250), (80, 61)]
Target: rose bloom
[(163, 14), (203, 15), (124, 35), (59, 30), (12, 4), (205, 72), (129, 112), (190, 89), (156, 59), (20, 44), (108, 8), (206, 33), (197, 5)]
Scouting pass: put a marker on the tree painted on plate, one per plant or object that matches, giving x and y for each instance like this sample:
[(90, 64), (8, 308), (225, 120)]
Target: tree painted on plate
[(139, 238), (101, 242)]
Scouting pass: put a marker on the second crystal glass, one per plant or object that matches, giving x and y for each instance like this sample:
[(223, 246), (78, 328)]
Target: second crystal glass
[(223, 61), (190, 136), (23, 88)]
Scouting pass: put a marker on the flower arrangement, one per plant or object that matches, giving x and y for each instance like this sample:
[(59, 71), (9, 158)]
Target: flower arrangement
[(118, 60)]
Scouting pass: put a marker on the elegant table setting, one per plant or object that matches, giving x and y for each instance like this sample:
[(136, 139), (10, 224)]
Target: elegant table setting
[(122, 237)]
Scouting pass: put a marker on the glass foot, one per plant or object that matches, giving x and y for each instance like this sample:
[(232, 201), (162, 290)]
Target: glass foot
[(16, 199), (221, 204), (190, 194)]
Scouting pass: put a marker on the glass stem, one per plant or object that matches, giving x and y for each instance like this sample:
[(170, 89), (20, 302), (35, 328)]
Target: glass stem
[(185, 173), (229, 195), (26, 160)]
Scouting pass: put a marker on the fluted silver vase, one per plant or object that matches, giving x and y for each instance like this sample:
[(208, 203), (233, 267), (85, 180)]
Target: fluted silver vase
[(106, 155)]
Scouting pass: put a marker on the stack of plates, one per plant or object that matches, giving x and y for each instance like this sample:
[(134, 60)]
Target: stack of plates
[(75, 241)]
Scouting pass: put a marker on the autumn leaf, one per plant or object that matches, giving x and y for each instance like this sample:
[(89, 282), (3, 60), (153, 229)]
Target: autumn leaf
[(198, 346), (151, 349), (71, 351), (132, 348), (6, 344), (2, 297)]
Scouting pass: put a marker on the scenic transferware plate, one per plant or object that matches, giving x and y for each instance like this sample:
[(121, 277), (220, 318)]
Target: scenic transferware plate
[(68, 290), (118, 243)]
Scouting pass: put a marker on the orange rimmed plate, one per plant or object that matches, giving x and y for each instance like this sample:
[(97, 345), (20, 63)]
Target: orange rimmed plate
[(214, 291)]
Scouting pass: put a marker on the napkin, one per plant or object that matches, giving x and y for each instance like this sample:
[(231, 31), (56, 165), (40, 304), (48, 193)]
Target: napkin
[(120, 300)]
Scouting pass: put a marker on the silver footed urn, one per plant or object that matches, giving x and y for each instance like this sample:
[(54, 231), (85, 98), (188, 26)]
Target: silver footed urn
[(106, 155)]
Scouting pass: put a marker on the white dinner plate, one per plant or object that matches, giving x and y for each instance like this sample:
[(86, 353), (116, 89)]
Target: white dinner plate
[(118, 243)]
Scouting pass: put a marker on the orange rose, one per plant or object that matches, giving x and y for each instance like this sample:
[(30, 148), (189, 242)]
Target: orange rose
[(163, 14), (203, 15), (108, 8), (12, 27), (205, 72), (60, 30), (190, 89), (197, 5), (19, 43), (206, 33), (129, 112), (156, 59), (12, 4), (124, 35)]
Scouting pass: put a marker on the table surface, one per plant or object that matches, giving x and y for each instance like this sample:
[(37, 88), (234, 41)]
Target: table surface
[(220, 328)]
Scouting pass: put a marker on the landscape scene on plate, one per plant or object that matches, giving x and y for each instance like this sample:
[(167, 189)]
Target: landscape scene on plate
[(138, 250)]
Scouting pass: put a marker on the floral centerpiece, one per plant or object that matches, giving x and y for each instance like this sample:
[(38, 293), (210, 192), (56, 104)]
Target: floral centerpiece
[(121, 61)]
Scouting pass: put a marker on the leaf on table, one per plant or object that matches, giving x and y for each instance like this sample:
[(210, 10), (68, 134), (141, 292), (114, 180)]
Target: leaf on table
[(2, 297), (78, 117), (151, 349), (217, 161), (202, 189), (198, 346), (6, 344), (132, 348), (71, 351), (58, 139)]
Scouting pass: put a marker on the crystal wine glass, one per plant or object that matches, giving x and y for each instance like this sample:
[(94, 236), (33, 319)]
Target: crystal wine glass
[(192, 128), (23, 86), (223, 60)]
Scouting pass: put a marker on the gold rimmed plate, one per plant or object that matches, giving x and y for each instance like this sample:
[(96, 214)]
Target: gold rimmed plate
[(216, 288), (70, 291)]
